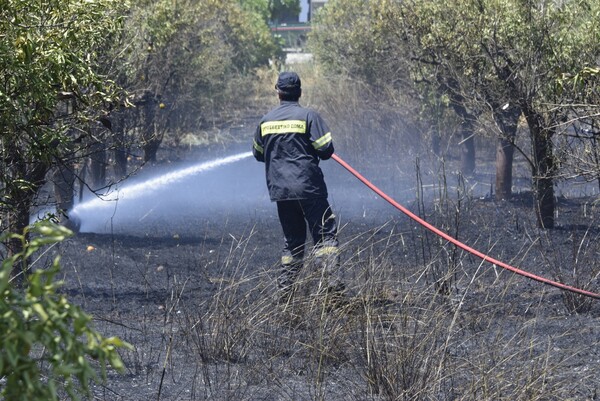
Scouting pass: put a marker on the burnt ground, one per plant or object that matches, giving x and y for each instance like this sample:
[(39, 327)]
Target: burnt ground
[(187, 277)]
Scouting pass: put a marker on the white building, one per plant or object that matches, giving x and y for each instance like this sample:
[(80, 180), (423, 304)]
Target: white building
[(308, 8)]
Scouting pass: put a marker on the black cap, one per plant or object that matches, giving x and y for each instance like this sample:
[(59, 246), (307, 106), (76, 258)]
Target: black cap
[(288, 83)]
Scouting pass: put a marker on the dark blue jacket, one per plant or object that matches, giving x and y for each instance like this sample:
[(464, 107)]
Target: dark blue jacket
[(291, 140)]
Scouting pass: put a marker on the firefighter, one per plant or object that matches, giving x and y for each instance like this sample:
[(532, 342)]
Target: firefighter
[(291, 140)]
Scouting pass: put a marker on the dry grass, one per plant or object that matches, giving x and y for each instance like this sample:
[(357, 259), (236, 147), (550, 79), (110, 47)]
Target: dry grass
[(394, 338), (421, 320), (398, 336)]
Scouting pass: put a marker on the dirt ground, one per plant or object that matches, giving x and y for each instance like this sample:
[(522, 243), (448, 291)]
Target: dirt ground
[(187, 277)]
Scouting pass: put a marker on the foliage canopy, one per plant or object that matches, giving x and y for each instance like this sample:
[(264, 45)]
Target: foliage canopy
[(48, 344), (52, 84), (483, 58)]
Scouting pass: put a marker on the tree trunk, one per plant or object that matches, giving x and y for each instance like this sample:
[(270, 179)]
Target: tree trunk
[(120, 148), (504, 162), (21, 199), (97, 166), (467, 151), (544, 183), (151, 139), (63, 180), (467, 144), (507, 120), (596, 152), (18, 219), (151, 149), (542, 169), (436, 141)]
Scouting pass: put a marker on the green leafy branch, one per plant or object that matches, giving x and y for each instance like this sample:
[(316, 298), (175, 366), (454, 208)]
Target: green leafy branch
[(48, 346)]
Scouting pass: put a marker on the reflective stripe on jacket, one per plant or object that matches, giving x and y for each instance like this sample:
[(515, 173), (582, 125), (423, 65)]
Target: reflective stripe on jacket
[(291, 140)]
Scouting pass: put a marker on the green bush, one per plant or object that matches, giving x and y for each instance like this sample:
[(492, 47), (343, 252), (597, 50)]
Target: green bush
[(48, 346)]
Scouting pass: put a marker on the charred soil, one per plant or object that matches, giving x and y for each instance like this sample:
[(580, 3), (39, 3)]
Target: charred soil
[(190, 284)]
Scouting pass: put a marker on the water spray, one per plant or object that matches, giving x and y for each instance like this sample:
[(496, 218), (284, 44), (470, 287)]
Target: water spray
[(146, 188), (481, 255)]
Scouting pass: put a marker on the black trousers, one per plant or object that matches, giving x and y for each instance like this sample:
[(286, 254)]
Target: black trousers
[(295, 217)]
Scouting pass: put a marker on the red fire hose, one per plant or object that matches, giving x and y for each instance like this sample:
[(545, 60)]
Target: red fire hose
[(456, 242)]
